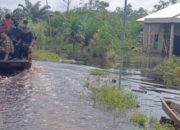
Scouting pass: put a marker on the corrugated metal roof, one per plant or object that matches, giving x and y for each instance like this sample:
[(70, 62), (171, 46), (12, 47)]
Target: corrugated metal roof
[(168, 12)]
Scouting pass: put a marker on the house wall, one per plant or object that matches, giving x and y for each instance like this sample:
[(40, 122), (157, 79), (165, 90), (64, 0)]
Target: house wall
[(163, 32), (154, 37)]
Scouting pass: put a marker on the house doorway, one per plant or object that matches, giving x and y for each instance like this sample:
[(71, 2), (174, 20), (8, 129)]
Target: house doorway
[(176, 48)]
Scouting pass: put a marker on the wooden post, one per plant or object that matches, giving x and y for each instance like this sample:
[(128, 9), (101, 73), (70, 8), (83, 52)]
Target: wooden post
[(149, 46), (171, 40), (149, 39), (123, 42)]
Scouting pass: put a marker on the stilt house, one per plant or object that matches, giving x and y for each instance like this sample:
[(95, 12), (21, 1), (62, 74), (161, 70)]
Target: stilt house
[(162, 31)]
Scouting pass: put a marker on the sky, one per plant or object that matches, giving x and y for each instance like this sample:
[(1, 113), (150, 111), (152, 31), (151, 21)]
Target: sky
[(58, 5)]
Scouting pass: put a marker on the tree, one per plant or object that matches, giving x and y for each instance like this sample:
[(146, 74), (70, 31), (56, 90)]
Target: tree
[(163, 4), (18, 14), (5, 11), (34, 11), (68, 3), (173, 1)]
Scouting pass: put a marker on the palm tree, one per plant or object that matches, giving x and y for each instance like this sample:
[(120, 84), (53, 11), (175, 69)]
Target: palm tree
[(34, 11), (18, 14)]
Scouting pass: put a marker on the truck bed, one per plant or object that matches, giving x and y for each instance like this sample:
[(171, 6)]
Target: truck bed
[(14, 65)]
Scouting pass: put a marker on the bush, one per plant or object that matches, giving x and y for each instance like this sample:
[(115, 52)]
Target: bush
[(45, 55), (139, 118), (169, 71), (159, 126)]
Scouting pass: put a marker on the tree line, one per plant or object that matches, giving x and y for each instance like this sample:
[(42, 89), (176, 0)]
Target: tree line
[(86, 31)]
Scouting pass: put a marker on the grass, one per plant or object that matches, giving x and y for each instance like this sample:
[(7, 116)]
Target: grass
[(140, 119), (112, 98), (45, 55), (98, 72), (169, 71), (159, 126)]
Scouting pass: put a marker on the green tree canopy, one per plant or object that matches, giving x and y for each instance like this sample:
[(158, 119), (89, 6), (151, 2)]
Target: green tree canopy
[(35, 11), (163, 4)]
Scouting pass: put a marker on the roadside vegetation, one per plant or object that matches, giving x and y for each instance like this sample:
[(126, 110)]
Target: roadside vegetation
[(145, 123), (159, 126), (98, 72), (45, 55), (112, 98), (120, 102), (140, 119)]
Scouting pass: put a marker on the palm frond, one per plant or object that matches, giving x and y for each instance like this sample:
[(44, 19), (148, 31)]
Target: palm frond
[(44, 9), (28, 4), (25, 10), (37, 4)]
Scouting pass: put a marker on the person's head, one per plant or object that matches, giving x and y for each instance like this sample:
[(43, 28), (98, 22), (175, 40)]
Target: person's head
[(25, 25), (8, 16), (25, 22), (26, 29), (7, 42)]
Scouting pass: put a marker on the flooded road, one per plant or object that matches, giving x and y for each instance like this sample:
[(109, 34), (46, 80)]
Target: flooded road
[(53, 96)]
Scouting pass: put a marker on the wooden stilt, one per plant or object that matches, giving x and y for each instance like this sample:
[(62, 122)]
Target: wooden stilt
[(171, 40), (149, 45)]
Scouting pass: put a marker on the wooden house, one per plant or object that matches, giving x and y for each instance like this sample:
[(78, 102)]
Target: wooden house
[(162, 31)]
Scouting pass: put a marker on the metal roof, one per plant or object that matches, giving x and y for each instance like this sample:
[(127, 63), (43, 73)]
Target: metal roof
[(170, 12)]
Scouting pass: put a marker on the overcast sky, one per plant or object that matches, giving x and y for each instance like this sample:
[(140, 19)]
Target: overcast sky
[(57, 4)]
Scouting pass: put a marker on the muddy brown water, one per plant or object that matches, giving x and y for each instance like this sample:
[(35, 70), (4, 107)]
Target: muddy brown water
[(52, 96)]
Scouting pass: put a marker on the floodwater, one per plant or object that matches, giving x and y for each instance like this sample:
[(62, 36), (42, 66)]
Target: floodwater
[(53, 96), (149, 93)]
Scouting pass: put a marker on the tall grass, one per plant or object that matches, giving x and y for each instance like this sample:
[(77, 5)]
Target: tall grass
[(98, 72), (140, 119), (151, 123), (159, 126), (112, 98)]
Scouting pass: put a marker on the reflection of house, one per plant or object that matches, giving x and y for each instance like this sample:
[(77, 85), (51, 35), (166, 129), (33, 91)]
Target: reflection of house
[(162, 31)]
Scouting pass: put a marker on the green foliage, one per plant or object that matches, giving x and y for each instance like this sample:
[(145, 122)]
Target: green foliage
[(40, 29), (163, 4), (159, 126), (34, 11), (169, 71), (88, 32), (57, 24), (98, 72), (45, 55), (144, 122), (112, 98), (139, 118)]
